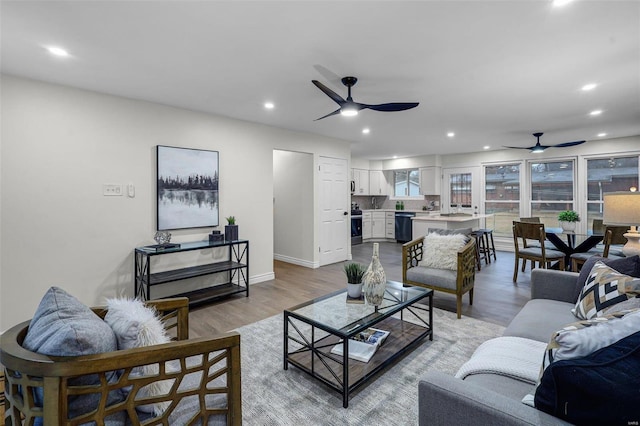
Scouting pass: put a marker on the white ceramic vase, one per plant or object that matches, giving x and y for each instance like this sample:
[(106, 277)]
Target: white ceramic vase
[(568, 226), (374, 280), (354, 290)]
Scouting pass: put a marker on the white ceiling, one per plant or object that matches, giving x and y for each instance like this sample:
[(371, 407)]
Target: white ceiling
[(493, 72)]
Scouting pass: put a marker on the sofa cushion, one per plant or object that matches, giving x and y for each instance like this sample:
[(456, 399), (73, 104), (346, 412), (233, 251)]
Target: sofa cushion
[(628, 266), (443, 278), (441, 251), (604, 288), (63, 326), (601, 388), (583, 338), (539, 319)]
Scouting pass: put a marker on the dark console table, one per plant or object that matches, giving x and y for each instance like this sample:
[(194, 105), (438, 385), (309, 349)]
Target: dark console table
[(236, 265)]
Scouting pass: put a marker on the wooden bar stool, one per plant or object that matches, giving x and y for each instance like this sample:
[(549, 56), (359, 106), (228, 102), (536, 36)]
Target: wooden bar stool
[(481, 249), (489, 245)]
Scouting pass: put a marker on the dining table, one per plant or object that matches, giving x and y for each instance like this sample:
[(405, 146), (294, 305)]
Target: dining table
[(569, 242)]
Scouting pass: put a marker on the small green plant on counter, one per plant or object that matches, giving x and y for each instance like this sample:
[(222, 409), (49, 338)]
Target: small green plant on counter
[(354, 272), (231, 220), (568, 216)]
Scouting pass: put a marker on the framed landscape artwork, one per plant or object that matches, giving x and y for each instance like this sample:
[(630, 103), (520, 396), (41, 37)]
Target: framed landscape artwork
[(187, 188)]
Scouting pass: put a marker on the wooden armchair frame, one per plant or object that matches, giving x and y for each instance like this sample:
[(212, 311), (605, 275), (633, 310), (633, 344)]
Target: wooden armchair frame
[(412, 253), (215, 358)]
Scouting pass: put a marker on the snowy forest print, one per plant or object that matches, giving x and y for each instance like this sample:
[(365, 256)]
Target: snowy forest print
[(187, 188)]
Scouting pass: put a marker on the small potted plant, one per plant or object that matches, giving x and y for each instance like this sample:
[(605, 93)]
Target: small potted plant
[(231, 229), (568, 219), (354, 272)]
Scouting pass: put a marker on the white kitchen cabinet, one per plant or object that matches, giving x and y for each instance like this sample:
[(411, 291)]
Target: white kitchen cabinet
[(430, 179), (377, 183), (390, 225), (367, 226), (378, 225), (361, 179)]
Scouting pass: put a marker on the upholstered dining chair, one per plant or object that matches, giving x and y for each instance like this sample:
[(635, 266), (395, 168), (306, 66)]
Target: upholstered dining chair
[(547, 244), (613, 236), (523, 231)]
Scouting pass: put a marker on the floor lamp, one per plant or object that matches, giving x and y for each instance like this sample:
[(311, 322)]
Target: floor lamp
[(623, 208)]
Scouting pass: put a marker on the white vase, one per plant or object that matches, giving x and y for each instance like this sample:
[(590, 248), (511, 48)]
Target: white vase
[(568, 226), (354, 290), (374, 280)]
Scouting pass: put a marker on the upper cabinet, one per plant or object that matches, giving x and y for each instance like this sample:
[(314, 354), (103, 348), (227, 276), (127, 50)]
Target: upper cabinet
[(360, 178), (377, 183), (430, 180)]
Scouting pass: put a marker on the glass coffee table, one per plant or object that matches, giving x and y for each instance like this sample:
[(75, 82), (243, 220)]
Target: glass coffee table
[(314, 328)]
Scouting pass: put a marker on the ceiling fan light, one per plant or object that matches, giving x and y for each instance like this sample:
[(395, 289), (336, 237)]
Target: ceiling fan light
[(537, 149), (349, 112)]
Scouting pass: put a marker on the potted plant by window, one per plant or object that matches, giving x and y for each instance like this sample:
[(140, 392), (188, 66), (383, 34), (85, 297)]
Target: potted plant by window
[(231, 229), (354, 272), (568, 219)]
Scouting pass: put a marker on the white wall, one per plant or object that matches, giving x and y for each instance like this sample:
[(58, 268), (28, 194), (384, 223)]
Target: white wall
[(293, 207), (60, 145)]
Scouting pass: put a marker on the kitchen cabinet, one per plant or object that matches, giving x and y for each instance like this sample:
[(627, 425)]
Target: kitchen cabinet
[(378, 225), (390, 225), (377, 183), (430, 180), (361, 180), (366, 225)]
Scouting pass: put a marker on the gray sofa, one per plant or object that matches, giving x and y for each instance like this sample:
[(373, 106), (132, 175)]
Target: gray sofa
[(496, 399)]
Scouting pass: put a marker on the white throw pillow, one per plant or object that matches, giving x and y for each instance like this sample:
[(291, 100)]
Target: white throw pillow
[(136, 325), (441, 251)]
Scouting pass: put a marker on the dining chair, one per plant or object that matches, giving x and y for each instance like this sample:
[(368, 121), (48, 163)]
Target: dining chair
[(547, 244), (536, 232), (613, 236)]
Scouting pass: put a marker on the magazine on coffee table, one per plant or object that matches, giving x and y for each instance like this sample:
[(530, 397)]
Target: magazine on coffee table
[(363, 345)]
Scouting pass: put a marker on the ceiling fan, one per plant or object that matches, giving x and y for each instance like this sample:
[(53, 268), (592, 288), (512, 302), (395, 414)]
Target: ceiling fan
[(350, 108), (539, 148)]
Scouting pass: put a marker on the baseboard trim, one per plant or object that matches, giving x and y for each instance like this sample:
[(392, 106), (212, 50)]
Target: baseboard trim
[(255, 279), (296, 261)]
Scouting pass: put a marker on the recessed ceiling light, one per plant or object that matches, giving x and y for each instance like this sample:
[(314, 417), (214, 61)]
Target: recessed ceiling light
[(596, 112), (486, 147), (269, 105), (560, 3), (589, 86), (58, 51), (451, 134), (602, 135), (366, 130), (395, 156)]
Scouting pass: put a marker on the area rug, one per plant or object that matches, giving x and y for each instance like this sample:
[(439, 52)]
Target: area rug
[(273, 396)]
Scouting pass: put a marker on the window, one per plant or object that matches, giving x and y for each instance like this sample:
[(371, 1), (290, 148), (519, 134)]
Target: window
[(608, 175), (406, 183), (552, 190), (460, 187), (502, 195)]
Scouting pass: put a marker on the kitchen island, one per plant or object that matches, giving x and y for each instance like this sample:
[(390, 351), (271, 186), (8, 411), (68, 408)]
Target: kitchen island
[(422, 223)]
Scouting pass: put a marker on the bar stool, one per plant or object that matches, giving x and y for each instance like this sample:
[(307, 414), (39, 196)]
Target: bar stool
[(481, 250), (489, 245)]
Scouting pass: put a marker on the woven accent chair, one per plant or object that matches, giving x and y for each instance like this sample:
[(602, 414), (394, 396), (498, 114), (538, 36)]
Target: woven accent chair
[(205, 370), (456, 282), (613, 235), (523, 231)]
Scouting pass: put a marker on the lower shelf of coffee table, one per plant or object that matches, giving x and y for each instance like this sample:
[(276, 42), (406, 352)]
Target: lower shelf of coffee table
[(402, 336)]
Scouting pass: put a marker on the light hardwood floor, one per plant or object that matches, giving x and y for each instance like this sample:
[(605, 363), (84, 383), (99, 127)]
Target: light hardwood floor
[(496, 298)]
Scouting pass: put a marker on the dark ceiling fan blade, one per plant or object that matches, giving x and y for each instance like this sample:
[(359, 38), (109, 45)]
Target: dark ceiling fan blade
[(329, 115), (330, 93), (393, 106), (523, 147), (562, 145)]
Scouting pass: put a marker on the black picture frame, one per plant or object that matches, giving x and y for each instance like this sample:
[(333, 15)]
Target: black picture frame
[(187, 182)]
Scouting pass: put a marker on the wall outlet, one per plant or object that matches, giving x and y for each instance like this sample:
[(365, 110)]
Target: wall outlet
[(111, 190), (131, 190)]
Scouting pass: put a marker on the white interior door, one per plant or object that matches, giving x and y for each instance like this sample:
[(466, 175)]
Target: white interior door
[(334, 213)]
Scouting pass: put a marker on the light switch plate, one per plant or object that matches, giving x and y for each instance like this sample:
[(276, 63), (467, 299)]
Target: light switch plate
[(111, 190)]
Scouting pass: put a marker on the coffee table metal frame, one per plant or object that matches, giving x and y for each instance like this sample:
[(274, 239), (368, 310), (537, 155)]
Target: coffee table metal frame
[(342, 373)]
